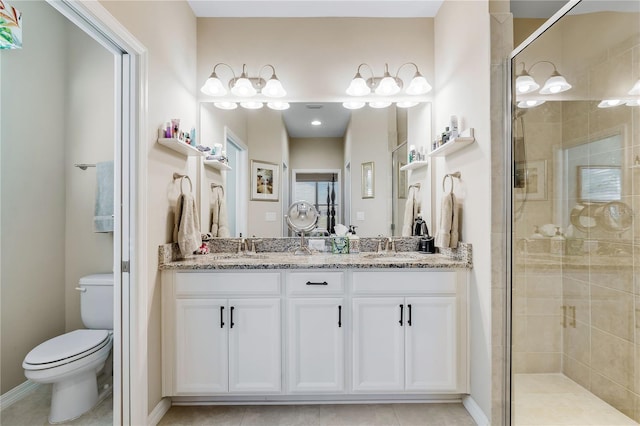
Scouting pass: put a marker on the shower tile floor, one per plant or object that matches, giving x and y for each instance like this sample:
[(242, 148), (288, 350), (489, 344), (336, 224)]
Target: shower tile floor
[(554, 400)]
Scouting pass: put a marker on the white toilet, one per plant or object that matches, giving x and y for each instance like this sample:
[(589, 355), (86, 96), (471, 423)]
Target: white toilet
[(72, 361)]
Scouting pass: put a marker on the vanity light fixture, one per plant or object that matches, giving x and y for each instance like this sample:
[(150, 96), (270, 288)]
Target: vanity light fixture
[(316, 123), (556, 83), (245, 86), (530, 103), (406, 104), (379, 104), (387, 85), (278, 105), (225, 105), (251, 104), (610, 103), (353, 104)]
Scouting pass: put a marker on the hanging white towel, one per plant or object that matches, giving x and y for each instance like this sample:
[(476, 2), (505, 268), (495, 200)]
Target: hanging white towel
[(103, 217), (186, 230), (411, 210), (219, 221), (447, 233)]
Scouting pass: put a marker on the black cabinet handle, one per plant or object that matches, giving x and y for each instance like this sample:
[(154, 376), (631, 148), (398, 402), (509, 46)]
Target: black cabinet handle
[(231, 319), (221, 316), (409, 320), (401, 313), (322, 283), (339, 315)]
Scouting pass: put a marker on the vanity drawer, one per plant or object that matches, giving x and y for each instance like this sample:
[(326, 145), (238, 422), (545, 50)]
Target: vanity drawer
[(309, 283), (400, 282), (226, 283)]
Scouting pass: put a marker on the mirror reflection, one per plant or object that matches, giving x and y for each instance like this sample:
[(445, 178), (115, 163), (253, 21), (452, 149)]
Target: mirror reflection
[(317, 152)]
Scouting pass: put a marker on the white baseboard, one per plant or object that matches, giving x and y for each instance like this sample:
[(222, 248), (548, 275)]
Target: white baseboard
[(159, 411), (16, 394), (475, 411)]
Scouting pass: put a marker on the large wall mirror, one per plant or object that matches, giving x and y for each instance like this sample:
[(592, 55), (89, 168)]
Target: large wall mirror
[(318, 163)]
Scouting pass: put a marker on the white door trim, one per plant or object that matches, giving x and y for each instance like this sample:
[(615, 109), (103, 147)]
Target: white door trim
[(130, 352)]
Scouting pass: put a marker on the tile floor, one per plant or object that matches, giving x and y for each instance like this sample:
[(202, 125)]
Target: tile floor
[(554, 399), (33, 410), (357, 414)]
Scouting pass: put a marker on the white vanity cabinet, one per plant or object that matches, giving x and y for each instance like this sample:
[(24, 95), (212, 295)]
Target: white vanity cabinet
[(222, 333), (409, 332), (315, 330), (290, 334)]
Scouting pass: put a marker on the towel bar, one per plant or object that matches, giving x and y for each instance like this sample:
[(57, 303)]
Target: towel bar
[(182, 177), (83, 166), (450, 176)]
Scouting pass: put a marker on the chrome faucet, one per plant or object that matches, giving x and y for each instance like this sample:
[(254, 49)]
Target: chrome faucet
[(242, 245), (390, 245)]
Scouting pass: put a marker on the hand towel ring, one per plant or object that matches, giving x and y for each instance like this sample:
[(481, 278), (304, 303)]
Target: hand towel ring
[(450, 176), (182, 178)]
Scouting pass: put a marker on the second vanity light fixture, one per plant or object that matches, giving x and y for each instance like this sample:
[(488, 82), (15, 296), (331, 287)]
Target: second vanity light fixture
[(556, 83), (246, 87), (385, 85)]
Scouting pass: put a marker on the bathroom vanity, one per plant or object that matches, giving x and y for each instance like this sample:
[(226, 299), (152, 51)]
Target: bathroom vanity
[(279, 327)]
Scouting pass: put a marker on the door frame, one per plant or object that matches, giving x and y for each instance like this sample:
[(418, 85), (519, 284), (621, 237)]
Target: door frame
[(130, 235)]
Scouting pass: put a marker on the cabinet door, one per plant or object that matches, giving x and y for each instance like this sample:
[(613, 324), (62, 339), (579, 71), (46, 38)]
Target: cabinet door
[(431, 355), (254, 345), (378, 344), (316, 344), (201, 346)]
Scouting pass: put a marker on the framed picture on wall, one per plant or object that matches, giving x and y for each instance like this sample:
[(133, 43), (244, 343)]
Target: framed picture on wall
[(533, 176), (265, 181)]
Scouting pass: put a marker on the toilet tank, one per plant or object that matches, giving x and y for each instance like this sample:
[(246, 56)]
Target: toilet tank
[(96, 301)]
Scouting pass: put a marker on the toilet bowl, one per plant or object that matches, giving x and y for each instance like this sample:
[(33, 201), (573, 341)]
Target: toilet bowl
[(72, 361)]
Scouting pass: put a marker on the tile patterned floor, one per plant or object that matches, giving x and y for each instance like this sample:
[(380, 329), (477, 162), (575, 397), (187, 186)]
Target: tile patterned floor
[(33, 410), (308, 415), (555, 400)]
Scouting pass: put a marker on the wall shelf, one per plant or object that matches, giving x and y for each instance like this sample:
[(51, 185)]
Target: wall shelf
[(181, 147), (217, 165), (454, 144), (414, 165)]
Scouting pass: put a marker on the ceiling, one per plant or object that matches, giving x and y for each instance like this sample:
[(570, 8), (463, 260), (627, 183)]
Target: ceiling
[(315, 8), (333, 116)]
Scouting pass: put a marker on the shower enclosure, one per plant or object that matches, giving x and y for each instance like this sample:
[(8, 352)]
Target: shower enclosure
[(575, 157)]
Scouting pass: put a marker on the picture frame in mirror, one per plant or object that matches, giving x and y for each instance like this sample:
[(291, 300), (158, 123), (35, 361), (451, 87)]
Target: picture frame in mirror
[(368, 180), (265, 181)]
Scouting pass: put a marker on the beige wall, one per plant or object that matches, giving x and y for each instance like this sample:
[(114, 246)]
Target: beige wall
[(89, 138), (316, 153), (462, 86), (33, 189), (315, 58), (266, 137), (168, 31)]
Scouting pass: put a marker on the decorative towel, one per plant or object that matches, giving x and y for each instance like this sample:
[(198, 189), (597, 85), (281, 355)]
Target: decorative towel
[(103, 217), (447, 234), (219, 220), (411, 210), (186, 230)]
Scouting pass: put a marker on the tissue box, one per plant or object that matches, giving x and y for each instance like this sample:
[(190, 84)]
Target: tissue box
[(340, 245)]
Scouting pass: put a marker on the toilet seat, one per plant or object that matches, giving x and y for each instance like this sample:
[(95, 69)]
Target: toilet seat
[(66, 348)]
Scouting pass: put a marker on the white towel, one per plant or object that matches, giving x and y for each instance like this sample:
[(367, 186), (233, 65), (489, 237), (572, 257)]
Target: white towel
[(103, 217), (411, 210), (186, 230), (447, 233), (219, 221)]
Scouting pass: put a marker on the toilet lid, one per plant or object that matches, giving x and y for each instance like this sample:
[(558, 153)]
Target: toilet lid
[(66, 346)]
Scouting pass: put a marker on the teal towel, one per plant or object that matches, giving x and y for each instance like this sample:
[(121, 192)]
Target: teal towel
[(103, 219)]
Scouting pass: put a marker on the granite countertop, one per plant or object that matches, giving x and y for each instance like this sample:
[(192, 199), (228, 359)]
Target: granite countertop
[(315, 261)]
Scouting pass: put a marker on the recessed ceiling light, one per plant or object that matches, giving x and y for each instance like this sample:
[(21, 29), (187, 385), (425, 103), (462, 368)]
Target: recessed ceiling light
[(316, 122)]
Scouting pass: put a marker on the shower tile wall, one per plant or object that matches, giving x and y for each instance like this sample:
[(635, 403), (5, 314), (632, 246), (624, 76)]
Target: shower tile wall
[(601, 350)]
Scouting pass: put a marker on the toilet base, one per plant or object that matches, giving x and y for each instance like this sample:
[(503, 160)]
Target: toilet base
[(72, 398)]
